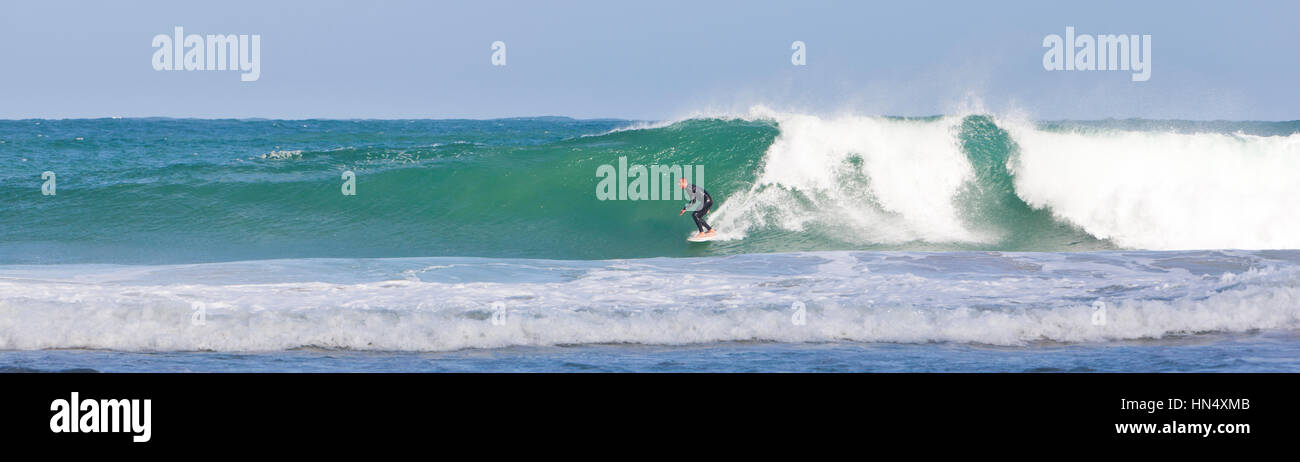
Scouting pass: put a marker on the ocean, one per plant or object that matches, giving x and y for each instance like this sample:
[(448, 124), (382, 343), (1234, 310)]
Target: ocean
[(845, 243)]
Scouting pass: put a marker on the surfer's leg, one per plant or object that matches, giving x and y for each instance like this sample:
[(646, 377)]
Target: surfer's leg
[(705, 211), (698, 215)]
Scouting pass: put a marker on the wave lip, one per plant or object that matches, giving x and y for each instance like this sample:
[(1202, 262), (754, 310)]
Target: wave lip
[(880, 180), (439, 304)]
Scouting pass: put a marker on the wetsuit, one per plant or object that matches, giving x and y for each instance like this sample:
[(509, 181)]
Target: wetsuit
[(700, 202)]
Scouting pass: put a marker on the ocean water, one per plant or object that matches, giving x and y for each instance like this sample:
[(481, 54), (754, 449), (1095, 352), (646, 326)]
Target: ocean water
[(854, 243)]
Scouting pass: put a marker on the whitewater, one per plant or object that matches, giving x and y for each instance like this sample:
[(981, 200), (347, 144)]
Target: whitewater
[(888, 180), (443, 304)]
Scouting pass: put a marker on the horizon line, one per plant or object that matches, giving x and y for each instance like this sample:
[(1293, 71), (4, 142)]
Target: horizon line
[(596, 119)]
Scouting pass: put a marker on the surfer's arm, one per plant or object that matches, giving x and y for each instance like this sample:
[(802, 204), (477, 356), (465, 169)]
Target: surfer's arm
[(692, 194)]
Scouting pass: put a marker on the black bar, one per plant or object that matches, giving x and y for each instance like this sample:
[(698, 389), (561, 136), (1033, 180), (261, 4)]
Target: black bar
[(469, 411)]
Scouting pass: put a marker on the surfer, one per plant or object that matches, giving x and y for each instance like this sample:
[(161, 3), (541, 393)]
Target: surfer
[(700, 203)]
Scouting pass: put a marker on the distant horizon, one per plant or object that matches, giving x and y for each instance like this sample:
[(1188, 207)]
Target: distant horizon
[(618, 119)]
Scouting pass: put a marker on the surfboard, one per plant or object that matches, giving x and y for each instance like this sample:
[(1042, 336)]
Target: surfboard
[(692, 238)]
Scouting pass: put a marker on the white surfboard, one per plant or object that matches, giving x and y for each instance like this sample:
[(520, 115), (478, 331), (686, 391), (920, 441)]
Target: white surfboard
[(706, 238)]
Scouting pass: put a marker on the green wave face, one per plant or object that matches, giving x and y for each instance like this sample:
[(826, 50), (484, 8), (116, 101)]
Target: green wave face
[(166, 190), (990, 203), (160, 190)]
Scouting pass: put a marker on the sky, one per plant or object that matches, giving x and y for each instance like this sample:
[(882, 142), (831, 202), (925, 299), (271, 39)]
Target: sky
[(648, 60)]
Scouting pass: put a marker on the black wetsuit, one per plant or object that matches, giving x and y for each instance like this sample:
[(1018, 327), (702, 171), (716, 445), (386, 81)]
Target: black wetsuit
[(701, 199)]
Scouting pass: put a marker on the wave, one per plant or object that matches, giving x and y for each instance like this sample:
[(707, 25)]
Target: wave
[(439, 304), (784, 182)]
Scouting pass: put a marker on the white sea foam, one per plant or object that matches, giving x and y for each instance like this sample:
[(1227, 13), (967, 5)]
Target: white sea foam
[(878, 180), (445, 304), (1161, 190)]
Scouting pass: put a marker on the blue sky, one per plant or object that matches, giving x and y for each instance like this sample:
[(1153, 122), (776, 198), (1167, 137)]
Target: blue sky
[(647, 60)]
